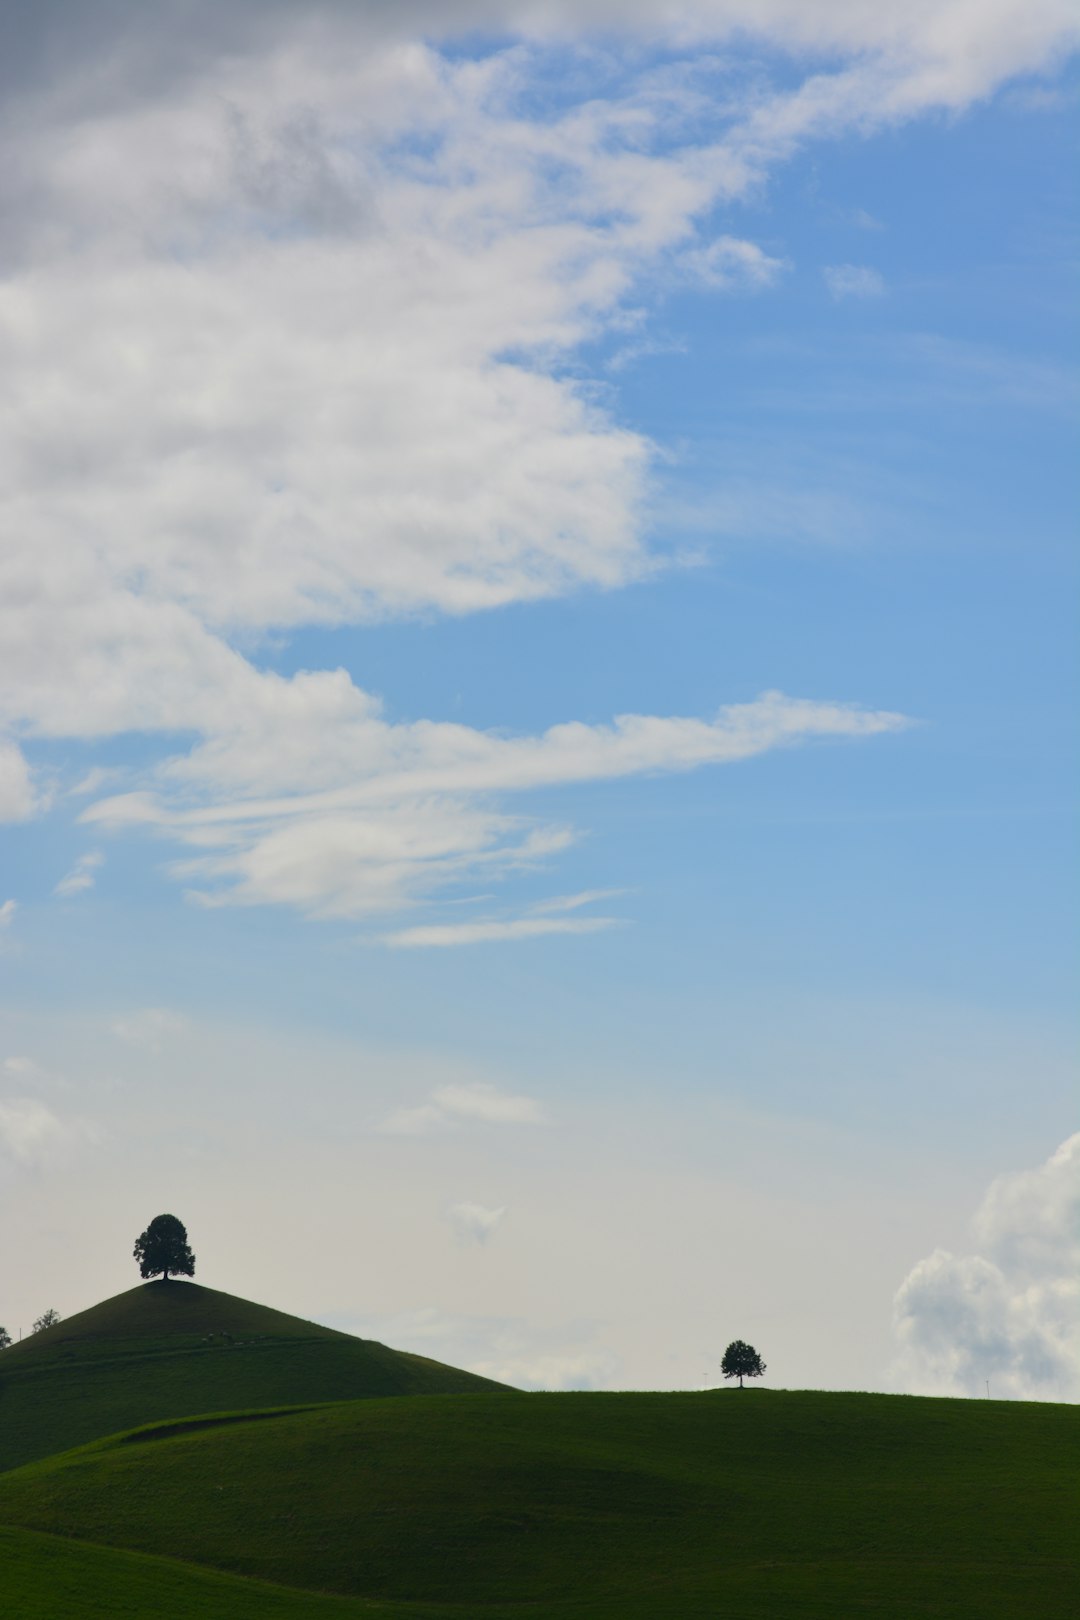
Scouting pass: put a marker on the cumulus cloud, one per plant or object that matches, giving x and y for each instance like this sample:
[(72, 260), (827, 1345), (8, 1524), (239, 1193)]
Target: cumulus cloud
[(81, 876), (475, 1223), (853, 281), (475, 1103), (1008, 1314)]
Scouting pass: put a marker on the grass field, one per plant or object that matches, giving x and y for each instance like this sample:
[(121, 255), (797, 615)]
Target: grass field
[(754, 1504), (258, 1483), (167, 1349)]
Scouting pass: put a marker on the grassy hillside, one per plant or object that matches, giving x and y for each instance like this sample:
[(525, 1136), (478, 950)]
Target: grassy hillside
[(626, 1507), (46, 1578), (165, 1350)]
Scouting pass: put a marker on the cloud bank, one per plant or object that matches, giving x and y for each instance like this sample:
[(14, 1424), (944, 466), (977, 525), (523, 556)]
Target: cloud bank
[(290, 330), (1008, 1314)]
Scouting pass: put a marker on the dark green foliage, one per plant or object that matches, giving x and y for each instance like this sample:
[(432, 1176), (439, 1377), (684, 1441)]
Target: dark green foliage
[(163, 1350), (163, 1249), (5, 1338), (741, 1361), (47, 1319), (805, 1506)]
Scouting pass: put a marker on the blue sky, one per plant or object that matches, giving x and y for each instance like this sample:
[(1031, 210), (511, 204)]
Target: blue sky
[(532, 382)]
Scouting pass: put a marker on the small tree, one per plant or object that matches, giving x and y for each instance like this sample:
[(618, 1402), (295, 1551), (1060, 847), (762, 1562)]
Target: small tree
[(47, 1319), (741, 1361), (163, 1248), (5, 1338)]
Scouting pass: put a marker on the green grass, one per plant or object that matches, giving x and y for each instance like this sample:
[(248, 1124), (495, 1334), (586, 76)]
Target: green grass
[(45, 1578), (146, 1355), (758, 1505)]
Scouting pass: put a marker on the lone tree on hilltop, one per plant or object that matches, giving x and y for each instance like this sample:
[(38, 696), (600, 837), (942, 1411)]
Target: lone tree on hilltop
[(164, 1248), (47, 1319), (741, 1361), (5, 1338)]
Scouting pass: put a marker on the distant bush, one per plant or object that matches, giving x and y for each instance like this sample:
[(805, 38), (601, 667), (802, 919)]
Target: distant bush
[(47, 1319)]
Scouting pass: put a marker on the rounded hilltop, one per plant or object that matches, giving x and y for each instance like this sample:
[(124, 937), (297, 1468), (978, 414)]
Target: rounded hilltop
[(171, 1349), (160, 1315)]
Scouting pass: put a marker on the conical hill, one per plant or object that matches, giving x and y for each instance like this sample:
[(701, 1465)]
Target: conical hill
[(168, 1350)]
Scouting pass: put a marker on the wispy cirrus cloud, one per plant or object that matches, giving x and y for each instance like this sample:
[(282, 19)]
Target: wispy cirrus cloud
[(853, 281), (478, 1104), (82, 874), (436, 935), (404, 811), (545, 918)]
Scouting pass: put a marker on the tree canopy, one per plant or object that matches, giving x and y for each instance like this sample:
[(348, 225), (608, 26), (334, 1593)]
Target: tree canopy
[(163, 1249), (47, 1319), (741, 1361), (5, 1338)]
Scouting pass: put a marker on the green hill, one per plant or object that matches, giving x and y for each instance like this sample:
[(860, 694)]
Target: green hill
[(164, 1350), (756, 1504), (47, 1578)]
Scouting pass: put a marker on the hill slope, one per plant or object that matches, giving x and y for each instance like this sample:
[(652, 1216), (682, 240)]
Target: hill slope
[(165, 1350), (640, 1507), (46, 1577)]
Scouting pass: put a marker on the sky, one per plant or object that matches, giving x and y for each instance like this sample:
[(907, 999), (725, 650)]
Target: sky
[(537, 676)]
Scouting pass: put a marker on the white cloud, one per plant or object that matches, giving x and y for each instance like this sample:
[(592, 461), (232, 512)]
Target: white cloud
[(574, 902), (24, 1069), (544, 918), (18, 798), (404, 811), (7, 913), (81, 876), (473, 1103), (150, 1027), (27, 1128), (731, 263), (283, 332), (853, 281), (475, 1223), (1010, 1313), (483, 933)]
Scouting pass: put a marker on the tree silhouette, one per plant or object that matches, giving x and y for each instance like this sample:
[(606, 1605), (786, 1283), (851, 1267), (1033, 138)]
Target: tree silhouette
[(47, 1319), (163, 1248), (5, 1338), (741, 1361)]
